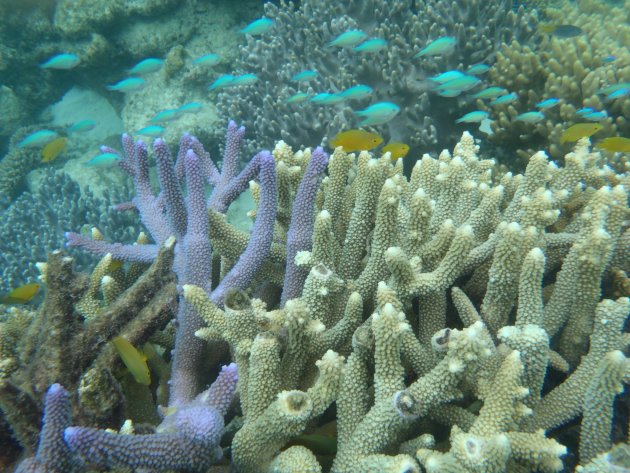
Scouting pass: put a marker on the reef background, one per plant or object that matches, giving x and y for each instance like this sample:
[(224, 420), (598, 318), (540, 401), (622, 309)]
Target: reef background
[(571, 197)]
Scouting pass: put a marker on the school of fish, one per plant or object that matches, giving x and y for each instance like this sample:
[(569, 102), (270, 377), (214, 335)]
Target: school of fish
[(452, 83)]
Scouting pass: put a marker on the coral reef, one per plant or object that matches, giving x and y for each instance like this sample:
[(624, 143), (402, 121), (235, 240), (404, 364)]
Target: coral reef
[(54, 344), (573, 70), (34, 224), (453, 299), (441, 314), (109, 36), (301, 33)]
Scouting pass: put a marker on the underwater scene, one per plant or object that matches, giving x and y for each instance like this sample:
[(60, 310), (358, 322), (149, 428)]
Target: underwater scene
[(356, 236)]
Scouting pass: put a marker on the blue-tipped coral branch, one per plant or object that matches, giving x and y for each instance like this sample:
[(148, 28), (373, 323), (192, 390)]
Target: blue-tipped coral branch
[(53, 454), (186, 218), (301, 229), (187, 439)]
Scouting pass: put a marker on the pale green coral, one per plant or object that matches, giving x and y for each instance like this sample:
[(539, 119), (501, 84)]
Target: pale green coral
[(519, 245), (573, 71), (451, 294)]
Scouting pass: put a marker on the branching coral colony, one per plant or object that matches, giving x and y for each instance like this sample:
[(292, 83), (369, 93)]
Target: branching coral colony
[(451, 301)]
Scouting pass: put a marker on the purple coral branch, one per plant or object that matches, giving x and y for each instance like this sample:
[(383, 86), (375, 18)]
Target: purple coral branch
[(194, 267), (131, 253), (231, 155), (187, 439), (171, 189), (301, 227), (222, 197), (209, 168), (187, 218), (53, 455), (241, 275), (185, 143)]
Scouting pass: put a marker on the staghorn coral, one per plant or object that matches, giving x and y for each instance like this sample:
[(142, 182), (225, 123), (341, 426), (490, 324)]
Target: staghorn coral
[(55, 345), (301, 33), (573, 70), (187, 439), (454, 231), (35, 223), (15, 165), (459, 299), (53, 454)]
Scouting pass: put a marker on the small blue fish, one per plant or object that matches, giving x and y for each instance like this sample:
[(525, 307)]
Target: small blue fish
[(146, 66), (378, 113), (447, 76), (473, 117), (103, 161), (530, 117), (61, 61), (548, 103), (304, 76), (152, 131), (222, 82), (131, 84), (208, 60), (348, 39), (617, 94), (165, 116), (489, 93), (297, 98), (461, 83), (357, 92), (190, 107), (505, 99), (327, 99), (244, 79), (258, 27), (449, 93), (320, 97), (609, 59), (82, 126), (595, 116), (584, 111), (373, 45), (478, 69), (440, 46), (613, 88), (39, 138)]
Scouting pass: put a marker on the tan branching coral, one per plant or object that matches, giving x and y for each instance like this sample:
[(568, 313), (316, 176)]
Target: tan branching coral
[(574, 70)]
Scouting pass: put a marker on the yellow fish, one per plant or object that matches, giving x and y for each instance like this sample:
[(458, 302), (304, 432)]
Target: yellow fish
[(322, 441), (575, 132), (21, 295), (53, 149), (356, 140), (115, 265), (616, 144), (135, 361), (398, 150)]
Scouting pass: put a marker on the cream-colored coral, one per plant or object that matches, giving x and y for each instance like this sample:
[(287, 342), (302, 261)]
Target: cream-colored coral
[(572, 70)]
